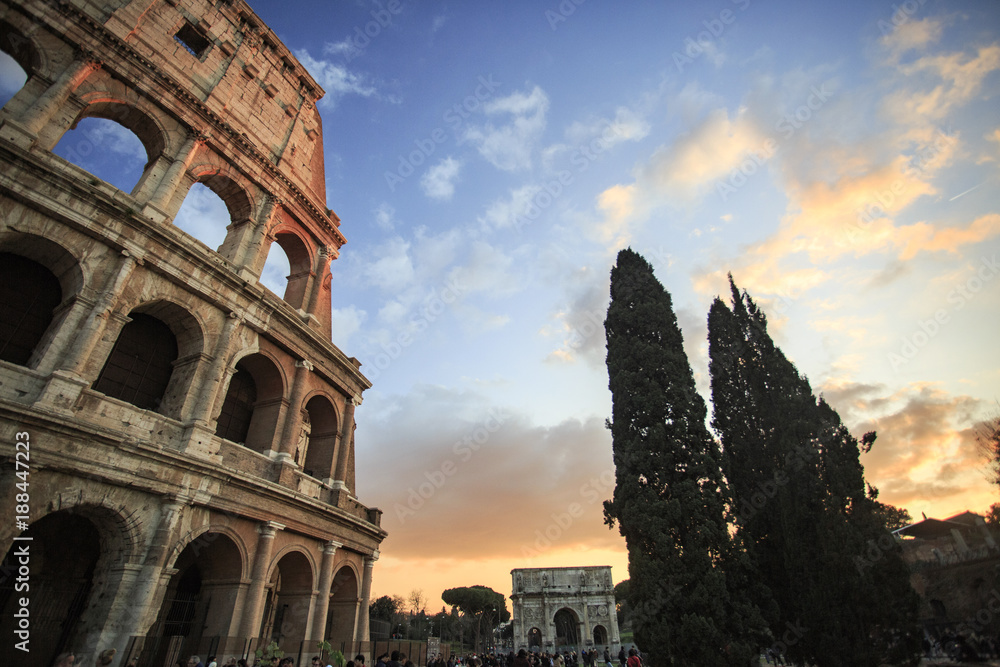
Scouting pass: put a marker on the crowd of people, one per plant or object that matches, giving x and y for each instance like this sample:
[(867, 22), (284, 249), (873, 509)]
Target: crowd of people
[(524, 658), (589, 658)]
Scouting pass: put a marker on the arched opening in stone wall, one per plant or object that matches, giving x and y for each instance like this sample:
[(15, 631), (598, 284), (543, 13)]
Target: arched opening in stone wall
[(141, 362), (203, 215), (342, 615), (198, 605), (320, 433), (62, 557), (18, 60), (237, 409), (262, 384), (12, 77), (534, 638), (600, 635), (299, 268), (288, 601), (567, 628), (29, 295), (107, 149), (274, 275), (19, 318)]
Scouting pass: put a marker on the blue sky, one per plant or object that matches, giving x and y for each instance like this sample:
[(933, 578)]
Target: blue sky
[(488, 160)]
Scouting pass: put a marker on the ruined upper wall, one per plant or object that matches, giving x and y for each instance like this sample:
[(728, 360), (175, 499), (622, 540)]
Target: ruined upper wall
[(239, 70), (222, 62)]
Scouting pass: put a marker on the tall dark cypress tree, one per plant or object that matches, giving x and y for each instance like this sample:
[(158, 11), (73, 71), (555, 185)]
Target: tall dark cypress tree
[(802, 508), (670, 498)]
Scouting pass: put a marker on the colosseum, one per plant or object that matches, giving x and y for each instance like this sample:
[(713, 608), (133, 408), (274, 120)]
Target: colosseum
[(176, 441)]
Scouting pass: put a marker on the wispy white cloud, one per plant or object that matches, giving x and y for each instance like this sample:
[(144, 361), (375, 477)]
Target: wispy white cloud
[(510, 147), (335, 79), (510, 211), (385, 217), (347, 321), (392, 268), (438, 182)]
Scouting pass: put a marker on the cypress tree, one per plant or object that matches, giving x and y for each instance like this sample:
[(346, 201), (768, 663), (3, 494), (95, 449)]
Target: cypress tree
[(685, 576), (802, 508)]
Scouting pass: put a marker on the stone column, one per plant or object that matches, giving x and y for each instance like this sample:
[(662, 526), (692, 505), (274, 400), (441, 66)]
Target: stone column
[(244, 233), (249, 261), (547, 635), (145, 598), (93, 327), (319, 272), (366, 592), (204, 409), (322, 605), (344, 446), (293, 416), (250, 623), (38, 115), (172, 178)]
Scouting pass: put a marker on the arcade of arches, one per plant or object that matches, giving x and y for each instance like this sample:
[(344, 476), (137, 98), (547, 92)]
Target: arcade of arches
[(189, 434)]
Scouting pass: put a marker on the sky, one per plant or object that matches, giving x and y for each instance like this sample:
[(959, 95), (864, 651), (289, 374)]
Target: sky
[(488, 161)]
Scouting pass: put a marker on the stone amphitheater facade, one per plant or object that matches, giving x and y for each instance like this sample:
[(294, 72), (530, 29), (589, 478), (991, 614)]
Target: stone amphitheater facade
[(175, 440)]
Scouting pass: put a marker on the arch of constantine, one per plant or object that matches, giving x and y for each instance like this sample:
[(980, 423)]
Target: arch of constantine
[(176, 440), (564, 608)]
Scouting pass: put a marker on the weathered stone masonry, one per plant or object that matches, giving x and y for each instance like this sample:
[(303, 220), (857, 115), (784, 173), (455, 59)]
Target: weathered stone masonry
[(192, 456), (564, 609)]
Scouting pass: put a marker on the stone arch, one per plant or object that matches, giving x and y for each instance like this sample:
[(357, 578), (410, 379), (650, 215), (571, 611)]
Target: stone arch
[(600, 635), (534, 638), (269, 394), (300, 251), (567, 626), (204, 588), (174, 367), (219, 530), (77, 555), (230, 189), (59, 259), (22, 48), (342, 613), (35, 305), (321, 427), (122, 536), (141, 122), (289, 597)]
